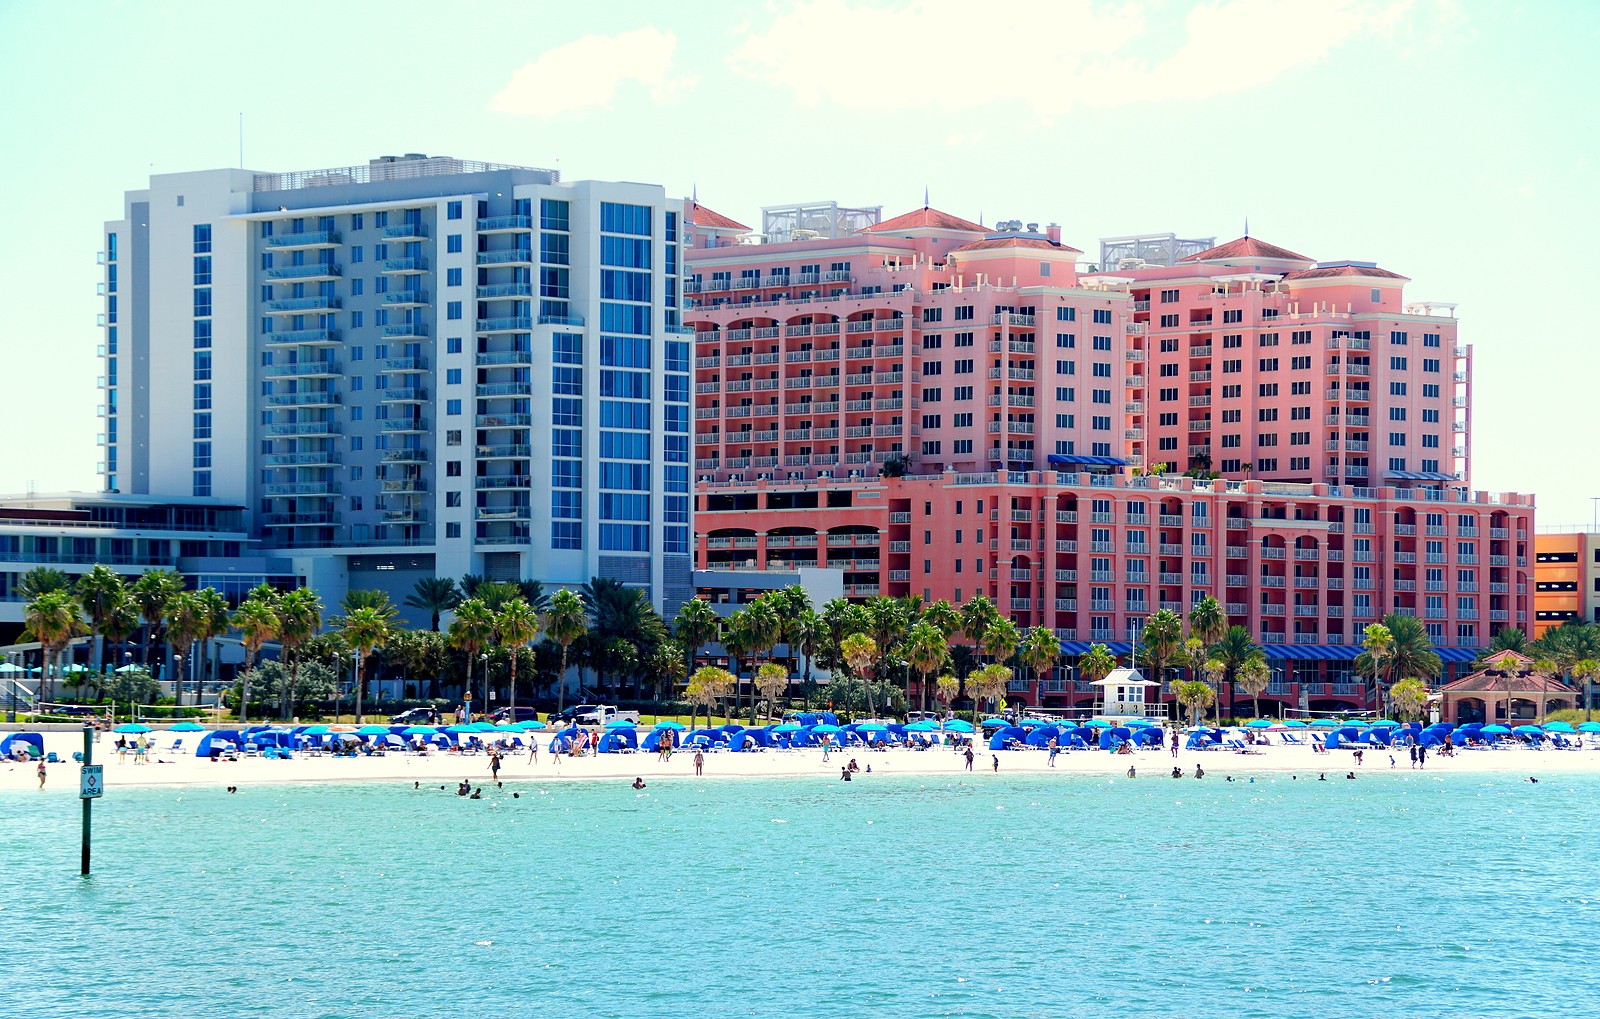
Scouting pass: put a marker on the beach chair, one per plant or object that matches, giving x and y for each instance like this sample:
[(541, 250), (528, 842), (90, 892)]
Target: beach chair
[(177, 745), (77, 756), (252, 750), (52, 758)]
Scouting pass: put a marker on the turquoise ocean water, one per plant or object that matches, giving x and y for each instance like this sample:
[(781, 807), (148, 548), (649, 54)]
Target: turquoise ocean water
[(1057, 895)]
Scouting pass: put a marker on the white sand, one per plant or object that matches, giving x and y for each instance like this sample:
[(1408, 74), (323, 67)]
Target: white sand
[(187, 770)]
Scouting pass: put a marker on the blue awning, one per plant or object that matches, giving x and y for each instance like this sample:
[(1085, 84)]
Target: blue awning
[(1091, 461), (1456, 654), (1348, 652), (1081, 647), (1419, 476)]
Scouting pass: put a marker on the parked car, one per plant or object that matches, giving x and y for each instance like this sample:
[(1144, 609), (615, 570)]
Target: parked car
[(415, 716), (523, 715), (592, 714)]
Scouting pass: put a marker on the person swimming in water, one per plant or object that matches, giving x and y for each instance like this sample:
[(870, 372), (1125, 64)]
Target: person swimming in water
[(638, 783)]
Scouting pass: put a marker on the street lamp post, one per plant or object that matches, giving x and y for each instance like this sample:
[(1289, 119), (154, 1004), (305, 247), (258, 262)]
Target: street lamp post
[(11, 678), (177, 680), (483, 662), (355, 673)]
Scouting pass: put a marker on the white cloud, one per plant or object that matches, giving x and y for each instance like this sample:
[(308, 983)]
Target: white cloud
[(1049, 55), (588, 72)]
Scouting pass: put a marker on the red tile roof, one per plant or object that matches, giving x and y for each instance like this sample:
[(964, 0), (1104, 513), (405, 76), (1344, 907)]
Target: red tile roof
[(1246, 247), (990, 243), (699, 215), (927, 219), (1345, 270)]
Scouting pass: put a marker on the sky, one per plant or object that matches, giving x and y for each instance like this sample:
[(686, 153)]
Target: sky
[(1455, 142)]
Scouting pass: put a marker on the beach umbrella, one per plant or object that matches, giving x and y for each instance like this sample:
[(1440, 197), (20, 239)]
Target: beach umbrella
[(957, 725), (1098, 723), (1496, 730), (372, 730), (315, 730), (785, 727), (480, 727), (825, 728), (1529, 730), (1382, 723), (619, 723), (75, 667), (131, 668), (1326, 723), (1259, 723), (341, 727), (872, 727), (186, 727), (1144, 723), (532, 723), (131, 727), (1589, 727), (1294, 723), (679, 726), (418, 730), (922, 726), (1558, 727), (1002, 723)]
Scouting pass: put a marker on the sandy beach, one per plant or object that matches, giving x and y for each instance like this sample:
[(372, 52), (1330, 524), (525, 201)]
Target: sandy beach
[(168, 769)]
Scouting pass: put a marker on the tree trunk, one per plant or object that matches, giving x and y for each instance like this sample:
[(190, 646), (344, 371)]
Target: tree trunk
[(244, 685), (513, 701), (561, 682), (361, 668)]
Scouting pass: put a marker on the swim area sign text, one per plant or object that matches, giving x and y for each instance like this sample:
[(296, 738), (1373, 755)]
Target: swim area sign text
[(91, 782)]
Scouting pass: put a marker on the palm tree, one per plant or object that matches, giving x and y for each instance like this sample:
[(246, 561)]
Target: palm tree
[(299, 619), (1253, 677), (772, 680), (860, 651), (1096, 664), (151, 592), (564, 622), (52, 619), (948, 687), (1508, 638), (122, 623), (99, 593), (256, 619), (518, 624), (184, 622), (1163, 639), (1408, 697), (41, 580), (1000, 640), (470, 630), (988, 684), (1377, 644), (808, 635), (1586, 669), (1041, 652), (925, 651), (534, 594), (435, 596), (977, 615), (739, 641), (214, 621), (364, 629), (1207, 621), (1233, 649), (1410, 654), (1196, 695), (695, 626), (708, 684), (942, 616), (497, 594)]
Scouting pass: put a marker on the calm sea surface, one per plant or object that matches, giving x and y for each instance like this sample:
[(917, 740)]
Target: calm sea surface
[(1394, 895)]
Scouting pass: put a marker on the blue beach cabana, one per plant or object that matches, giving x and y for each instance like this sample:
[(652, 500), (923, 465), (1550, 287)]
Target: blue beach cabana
[(18, 741)]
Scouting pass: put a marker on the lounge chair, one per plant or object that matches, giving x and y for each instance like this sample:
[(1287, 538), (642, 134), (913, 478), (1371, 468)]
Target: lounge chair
[(53, 758)]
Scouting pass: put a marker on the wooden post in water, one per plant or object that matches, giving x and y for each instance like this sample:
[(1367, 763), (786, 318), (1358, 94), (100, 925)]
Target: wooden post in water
[(88, 759)]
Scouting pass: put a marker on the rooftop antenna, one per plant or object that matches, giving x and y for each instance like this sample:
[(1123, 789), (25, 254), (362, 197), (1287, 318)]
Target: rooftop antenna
[(925, 196), (694, 193), (1247, 227)]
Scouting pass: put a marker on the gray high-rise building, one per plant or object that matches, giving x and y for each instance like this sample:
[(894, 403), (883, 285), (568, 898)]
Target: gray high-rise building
[(414, 367)]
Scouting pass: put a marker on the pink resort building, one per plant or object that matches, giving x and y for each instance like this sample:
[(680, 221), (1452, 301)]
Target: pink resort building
[(942, 408)]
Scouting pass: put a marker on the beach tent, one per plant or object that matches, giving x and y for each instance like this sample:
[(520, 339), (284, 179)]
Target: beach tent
[(18, 740), (1113, 737), (1147, 737), (1040, 736), (750, 739), (616, 740), (1010, 734), (216, 741)]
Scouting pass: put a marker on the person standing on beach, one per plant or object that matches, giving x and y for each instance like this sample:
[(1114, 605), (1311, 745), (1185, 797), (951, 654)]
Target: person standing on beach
[(699, 762), (41, 773), (996, 759), (1174, 741), (1413, 757), (969, 757), (494, 765), (533, 750), (1422, 758), (1054, 749)]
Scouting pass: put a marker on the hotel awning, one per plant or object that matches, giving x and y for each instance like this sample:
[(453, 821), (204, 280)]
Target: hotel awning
[(1089, 461)]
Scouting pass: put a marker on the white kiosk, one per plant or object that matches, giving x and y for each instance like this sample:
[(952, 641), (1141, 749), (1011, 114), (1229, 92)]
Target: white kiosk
[(1122, 694)]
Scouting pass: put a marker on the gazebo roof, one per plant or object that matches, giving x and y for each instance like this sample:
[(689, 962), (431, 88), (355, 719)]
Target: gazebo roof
[(1504, 668), (1124, 677)]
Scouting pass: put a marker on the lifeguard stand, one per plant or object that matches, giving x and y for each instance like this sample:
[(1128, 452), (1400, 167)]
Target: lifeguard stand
[(1122, 694)]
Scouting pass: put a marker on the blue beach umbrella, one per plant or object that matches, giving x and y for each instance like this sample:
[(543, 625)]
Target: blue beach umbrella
[(957, 725), (1382, 723), (373, 730), (1294, 723), (315, 730), (1142, 723), (1259, 723), (785, 727), (1326, 723), (131, 727), (825, 728), (1529, 730), (679, 726), (999, 722), (1099, 723), (1589, 727), (619, 723), (1558, 727), (872, 727), (922, 726), (1496, 730), (419, 730), (191, 727), (532, 723)]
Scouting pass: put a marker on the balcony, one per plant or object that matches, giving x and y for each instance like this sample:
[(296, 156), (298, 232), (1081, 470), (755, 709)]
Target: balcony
[(512, 324), (403, 266), (413, 424), (405, 456), (296, 488), (405, 486), (312, 239), (504, 420), (506, 256), (316, 459), (561, 320), (303, 370), (405, 331), (301, 429), (408, 231), (301, 337), (300, 305), (403, 396), (402, 365), (506, 481), (405, 299), (300, 519), (304, 273), (322, 398), (504, 291), (504, 224)]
